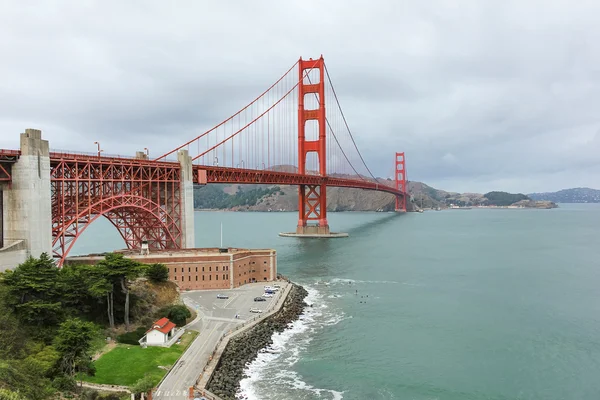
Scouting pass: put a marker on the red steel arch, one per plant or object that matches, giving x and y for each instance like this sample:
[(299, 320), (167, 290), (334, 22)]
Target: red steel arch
[(142, 199)]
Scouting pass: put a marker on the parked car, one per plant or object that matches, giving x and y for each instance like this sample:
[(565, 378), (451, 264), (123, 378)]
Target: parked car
[(277, 286), (222, 296), (267, 295), (260, 299), (255, 310)]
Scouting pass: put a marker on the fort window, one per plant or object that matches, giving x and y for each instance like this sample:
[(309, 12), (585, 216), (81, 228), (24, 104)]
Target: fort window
[(202, 269), (217, 277), (196, 269), (174, 269), (189, 269), (202, 277), (224, 277), (189, 278), (210, 277), (217, 267), (265, 270), (209, 269), (264, 262), (175, 277), (196, 277)]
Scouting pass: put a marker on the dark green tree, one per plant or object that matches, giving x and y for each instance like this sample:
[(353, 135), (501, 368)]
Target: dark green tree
[(33, 291), (75, 282), (157, 273), (119, 270), (178, 314), (73, 342)]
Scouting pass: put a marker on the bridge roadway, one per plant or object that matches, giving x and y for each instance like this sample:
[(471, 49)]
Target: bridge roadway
[(212, 174), (216, 317)]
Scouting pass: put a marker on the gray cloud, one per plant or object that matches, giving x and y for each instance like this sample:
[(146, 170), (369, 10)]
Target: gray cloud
[(481, 95)]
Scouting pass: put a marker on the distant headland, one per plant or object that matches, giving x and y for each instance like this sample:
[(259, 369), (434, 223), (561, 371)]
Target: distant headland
[(277, 198)]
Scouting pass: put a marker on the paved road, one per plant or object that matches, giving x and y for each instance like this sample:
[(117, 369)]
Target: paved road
[(217, 316)]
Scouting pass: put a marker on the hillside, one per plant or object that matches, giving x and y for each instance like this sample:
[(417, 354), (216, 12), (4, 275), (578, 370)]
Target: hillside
[(285, 198), (574, 195)]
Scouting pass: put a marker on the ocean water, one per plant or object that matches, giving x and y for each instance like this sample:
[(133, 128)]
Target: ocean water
[(449, 305)]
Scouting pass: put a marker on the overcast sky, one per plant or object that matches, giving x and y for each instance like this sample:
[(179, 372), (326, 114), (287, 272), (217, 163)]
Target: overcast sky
[(481, 95)]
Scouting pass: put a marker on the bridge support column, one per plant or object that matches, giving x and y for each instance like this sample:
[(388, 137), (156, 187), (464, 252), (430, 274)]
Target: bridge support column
[(312, 206), (27, 206), (400, 180), (187, 200)]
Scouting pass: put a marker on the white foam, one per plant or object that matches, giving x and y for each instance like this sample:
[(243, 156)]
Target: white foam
[(353, 281), (270, 366)]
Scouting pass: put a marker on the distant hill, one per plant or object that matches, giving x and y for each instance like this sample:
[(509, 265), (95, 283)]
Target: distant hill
[(260, 197), (574, 195)]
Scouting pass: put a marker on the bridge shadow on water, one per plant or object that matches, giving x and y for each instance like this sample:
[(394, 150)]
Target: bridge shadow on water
[(319, 258), (362, 229)]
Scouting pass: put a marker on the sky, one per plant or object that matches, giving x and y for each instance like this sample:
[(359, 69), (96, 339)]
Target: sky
[(480, 95)]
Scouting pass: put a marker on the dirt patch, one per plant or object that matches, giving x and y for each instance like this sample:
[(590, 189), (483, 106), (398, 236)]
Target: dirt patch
[(108, 347)]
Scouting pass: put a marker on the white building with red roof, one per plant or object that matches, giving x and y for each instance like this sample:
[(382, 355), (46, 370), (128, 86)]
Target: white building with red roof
[(161, 332)]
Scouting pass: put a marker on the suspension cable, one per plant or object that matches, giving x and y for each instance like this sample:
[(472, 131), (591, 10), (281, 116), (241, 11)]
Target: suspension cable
[(346, 123), (335, 137)]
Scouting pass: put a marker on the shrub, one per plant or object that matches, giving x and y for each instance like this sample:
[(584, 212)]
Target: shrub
[(143, 385), (177, 313), (132, 337), (64, 383), (157, 273), (6, 394)]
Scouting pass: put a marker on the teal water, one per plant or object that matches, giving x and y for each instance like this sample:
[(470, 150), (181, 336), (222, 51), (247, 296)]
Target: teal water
[(477, 304)]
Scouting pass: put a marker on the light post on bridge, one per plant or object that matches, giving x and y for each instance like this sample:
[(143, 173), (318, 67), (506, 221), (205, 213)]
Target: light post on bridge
[(263, 165), (216, 161), (99, 151), (147, 152)]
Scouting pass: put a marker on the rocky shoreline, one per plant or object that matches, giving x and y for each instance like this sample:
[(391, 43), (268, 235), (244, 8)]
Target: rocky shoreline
[(242, 349)]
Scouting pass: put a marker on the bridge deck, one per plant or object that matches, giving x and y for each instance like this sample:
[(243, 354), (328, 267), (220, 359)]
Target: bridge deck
[(216, 174)]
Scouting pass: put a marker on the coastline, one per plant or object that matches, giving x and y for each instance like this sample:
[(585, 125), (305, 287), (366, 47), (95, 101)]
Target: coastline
[(244, 348)]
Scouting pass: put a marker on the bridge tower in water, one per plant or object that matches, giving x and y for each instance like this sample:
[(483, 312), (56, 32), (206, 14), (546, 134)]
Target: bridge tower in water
[(400, 181), (312, 199)]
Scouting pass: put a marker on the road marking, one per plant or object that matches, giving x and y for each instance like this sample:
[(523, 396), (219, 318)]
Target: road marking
[(229, 301)]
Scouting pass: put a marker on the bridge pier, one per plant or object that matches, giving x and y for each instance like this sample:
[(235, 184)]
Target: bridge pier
[(26, 204), (187, 200)]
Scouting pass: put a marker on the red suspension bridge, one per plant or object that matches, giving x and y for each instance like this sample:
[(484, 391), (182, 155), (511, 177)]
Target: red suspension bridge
[(294, 133)]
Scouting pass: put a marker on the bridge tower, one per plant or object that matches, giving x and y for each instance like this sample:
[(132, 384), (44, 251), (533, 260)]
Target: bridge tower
[(312, 199), (400, 180)]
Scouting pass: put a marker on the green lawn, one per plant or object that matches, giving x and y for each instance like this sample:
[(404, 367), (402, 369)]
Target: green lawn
[(125, 364)]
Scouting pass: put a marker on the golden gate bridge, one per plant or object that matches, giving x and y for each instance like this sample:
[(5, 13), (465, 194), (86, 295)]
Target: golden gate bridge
[(294, 133)]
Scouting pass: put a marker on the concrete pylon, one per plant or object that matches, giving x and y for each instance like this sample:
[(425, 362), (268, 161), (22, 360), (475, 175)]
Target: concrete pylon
[(187, 200), (27, 204)]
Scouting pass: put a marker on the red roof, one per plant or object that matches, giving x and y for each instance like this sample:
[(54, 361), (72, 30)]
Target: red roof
[(162, 325)]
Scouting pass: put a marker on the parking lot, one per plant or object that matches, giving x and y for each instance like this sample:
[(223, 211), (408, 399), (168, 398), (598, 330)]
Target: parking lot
[(240, 300)]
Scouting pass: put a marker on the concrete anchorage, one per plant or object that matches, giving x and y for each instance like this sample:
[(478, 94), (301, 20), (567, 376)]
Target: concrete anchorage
[(187, 200), (27, 206)]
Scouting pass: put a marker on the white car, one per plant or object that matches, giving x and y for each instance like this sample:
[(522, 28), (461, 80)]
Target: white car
[(267, 295), (255, 310)]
